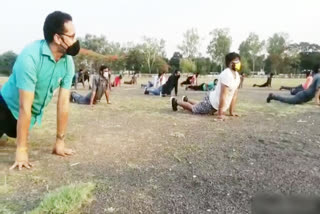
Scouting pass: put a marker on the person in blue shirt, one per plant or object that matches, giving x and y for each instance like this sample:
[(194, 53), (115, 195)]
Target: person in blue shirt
[(41, 68)]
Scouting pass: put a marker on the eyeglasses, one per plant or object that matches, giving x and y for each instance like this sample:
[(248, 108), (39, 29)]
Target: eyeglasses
[(70, 36)]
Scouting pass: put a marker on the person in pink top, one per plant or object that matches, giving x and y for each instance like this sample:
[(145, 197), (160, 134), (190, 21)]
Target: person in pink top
[(302, 87), (117, 81)]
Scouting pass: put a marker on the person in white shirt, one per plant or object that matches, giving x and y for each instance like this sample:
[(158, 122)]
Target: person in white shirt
[(224, 96)]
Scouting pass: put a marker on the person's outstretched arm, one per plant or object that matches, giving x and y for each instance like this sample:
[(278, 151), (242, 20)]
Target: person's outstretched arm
[(62, 121), (23, 124), (223, 94), (233, 104), (317, 97)]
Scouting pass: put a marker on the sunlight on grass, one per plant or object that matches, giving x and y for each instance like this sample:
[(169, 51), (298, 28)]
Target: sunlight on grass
[(66, 200)]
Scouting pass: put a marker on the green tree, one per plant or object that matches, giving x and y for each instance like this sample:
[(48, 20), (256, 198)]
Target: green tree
[(7, 60), (204, 65), (188, 66), (250, 49), (276, 47), (134, 59), (219, 45), (151, 49), (190, 44), (175, 61)]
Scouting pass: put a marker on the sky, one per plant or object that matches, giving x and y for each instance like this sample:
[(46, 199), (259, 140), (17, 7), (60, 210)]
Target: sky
[(123, 21)]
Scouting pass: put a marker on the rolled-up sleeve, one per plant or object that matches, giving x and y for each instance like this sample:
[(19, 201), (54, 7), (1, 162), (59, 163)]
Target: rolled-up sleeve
[(67, 79)]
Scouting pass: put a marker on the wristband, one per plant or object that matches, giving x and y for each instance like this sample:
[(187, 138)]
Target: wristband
[(60, 136)]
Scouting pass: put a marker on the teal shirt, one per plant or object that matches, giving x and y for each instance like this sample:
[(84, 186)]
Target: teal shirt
[(35, 70)]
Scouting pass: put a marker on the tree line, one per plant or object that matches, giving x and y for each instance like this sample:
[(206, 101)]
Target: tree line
[(277, 54)]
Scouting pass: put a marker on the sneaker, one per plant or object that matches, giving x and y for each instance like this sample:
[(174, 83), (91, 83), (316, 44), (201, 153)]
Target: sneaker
[(174, 103), (280, 88), (269, 98), (185, 99), (146, 91)]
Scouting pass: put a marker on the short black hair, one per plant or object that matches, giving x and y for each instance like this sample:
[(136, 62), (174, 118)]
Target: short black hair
[(102, 67), (54, 24), (231, 56)]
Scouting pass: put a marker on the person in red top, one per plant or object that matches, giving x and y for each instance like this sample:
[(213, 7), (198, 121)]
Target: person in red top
[(117, 81), (191, 80), (304, 86)]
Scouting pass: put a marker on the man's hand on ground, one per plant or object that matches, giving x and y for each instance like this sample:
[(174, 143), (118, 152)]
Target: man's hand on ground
[(220, 118), (234, 115), (22, 159), (59, 149)]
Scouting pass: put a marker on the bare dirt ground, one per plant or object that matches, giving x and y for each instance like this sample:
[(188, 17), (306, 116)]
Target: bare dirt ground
[(145, 158)]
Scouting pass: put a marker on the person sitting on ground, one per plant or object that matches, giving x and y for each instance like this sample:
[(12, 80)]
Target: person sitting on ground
[(159, 80), (303, 96), (166, 89), (99, 87), (203, 87), (266, 84), (133, 80), (297, 89), (117, 81), (223, 97), (191, 80)]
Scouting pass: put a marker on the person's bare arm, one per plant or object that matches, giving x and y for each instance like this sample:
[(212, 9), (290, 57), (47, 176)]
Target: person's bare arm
[(62, 121), (23, 124), (92, 98), (223, 94), (107, 96), (317, 97), (233, 104)]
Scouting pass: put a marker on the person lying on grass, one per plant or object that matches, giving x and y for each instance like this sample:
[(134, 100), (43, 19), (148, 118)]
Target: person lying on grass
[(266, 84), (203, 87), (100, 87), (303, 96), (223, 97)]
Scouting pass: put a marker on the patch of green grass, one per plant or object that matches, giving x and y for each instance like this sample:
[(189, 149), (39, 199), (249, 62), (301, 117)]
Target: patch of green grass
[(66, 200), (5, 210)]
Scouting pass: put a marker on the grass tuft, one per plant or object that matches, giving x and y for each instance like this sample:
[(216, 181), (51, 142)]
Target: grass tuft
[(67, 199)]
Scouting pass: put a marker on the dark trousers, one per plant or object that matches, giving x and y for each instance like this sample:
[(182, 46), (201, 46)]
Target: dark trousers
[(196, 87), (8, 124), (299, 98), (293, 90)]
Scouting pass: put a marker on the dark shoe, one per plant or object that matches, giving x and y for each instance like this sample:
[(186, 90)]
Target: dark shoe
[(280, 88), (269, 98), (146, 91), (185, 99), (174, 104)]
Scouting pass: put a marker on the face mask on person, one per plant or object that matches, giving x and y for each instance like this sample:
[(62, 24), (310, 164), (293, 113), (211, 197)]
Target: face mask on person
[(106, 74), (72, 50), (236, 65)]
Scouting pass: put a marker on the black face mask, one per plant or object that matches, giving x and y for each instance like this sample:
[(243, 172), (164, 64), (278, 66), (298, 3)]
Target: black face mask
[(74, 49)]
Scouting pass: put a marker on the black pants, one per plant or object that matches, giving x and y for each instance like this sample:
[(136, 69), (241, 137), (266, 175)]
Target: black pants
[(196, 87), (8, 124), (293, 90), (299, 98)]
